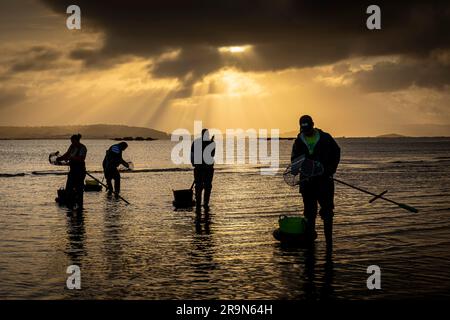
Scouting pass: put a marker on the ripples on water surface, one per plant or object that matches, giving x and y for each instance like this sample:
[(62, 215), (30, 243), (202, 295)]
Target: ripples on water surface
[(149, 251)]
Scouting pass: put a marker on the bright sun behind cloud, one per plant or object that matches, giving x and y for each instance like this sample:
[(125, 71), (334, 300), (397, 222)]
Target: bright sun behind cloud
[(234, 49)]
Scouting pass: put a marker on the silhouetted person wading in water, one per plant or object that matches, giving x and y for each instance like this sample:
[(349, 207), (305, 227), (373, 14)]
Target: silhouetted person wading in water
[(202, 158), (76, 155), (112, 160), (318, 146)]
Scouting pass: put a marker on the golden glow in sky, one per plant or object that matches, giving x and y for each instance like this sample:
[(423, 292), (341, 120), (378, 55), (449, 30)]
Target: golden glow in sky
[(48, 77), (235, 49)]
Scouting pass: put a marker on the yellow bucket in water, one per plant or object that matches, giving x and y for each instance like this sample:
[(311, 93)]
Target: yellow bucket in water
[(292, 225), (91, 183)]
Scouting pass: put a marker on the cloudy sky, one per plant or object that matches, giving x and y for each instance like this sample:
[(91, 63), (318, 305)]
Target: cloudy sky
[(230, 63)]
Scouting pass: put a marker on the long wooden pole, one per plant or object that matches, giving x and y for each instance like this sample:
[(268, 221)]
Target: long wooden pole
[(401, 205), (120, 197)]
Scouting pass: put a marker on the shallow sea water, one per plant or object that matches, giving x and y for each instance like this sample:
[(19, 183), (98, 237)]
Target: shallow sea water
[(147, 250)]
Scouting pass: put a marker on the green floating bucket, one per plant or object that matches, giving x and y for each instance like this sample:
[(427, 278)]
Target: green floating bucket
[(292, 225), (91, 183)]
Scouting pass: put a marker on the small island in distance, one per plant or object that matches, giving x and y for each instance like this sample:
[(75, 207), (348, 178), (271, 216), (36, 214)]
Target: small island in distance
[(96, 131), (391, 135), (293, 134)]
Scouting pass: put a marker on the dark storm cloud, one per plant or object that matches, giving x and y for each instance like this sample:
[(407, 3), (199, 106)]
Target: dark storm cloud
[(190, 65), (392, 76), (37, 58), (283, 33)]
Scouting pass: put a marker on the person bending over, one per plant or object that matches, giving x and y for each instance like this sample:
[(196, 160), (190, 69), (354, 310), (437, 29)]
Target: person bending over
[(113, 159)]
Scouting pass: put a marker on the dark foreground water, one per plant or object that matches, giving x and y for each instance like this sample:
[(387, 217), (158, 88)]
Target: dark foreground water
[(149, 251)]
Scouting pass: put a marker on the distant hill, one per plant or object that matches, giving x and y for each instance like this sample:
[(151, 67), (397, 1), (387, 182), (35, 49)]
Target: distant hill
[(293, 134), (97, 131), (391, 135)]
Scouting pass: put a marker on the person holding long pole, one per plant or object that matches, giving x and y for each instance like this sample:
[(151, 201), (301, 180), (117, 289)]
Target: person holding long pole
[(76, 156), (319, 150)]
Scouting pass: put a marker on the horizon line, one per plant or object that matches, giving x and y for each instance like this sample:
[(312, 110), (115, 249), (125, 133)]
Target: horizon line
[(282, 135)]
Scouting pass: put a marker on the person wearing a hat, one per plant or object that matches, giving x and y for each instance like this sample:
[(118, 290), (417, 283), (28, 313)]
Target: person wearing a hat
[(319, 148)]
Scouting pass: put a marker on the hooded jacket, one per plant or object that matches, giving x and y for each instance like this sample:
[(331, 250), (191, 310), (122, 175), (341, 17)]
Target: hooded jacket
[(326, 151), (113, 158)]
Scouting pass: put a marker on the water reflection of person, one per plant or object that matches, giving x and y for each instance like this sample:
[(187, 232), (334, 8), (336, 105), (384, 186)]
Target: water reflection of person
[(202, 254), (76, 236), (327, 291), (309, 274), (113, 236), (312, 292), (202, 226), (315, 283)]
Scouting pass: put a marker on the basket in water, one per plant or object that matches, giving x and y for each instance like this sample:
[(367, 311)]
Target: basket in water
[(92, 185), (292, 225), (292, 231), (183, 198), (62, 197)]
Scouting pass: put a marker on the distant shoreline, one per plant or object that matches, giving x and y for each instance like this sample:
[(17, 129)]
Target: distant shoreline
[(386, 138), (127, 133), (95, 131), (268, 138), (68, 138)]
